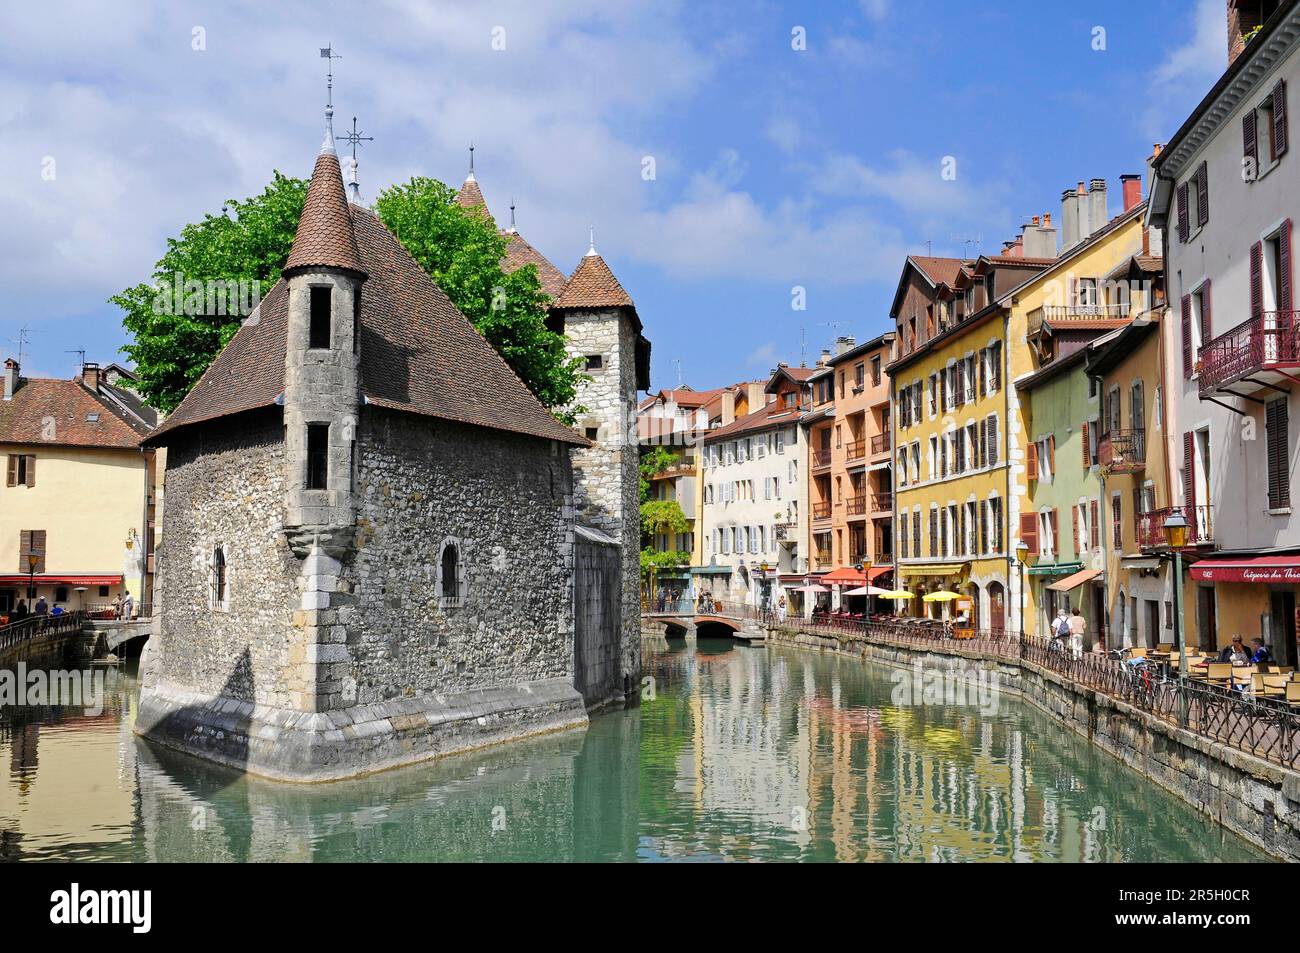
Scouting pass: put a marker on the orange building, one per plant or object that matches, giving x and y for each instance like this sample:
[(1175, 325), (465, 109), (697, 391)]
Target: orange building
[(850, 483)]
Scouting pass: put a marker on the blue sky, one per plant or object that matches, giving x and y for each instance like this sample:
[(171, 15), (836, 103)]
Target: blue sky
[(774, 167)]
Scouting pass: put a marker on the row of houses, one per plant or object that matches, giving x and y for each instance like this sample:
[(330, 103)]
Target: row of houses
[(1036, 417)]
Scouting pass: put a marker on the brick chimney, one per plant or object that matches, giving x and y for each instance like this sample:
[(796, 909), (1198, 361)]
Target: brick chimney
[(90, 375), (11, 378), (1132, 189), (844, 342)]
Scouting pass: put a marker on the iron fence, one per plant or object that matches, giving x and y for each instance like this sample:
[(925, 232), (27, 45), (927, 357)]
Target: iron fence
[(29, 628)]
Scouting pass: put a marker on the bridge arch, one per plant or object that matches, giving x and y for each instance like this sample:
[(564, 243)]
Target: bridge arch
[(715, 627)]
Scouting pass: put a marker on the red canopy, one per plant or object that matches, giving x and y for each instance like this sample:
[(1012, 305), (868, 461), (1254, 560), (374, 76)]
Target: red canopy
[(847, 574), (44, 580), (1249, 569)]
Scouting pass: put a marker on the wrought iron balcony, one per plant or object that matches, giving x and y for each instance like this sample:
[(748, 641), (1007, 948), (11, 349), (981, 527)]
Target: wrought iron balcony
[(821, 459), (1253, 355), (882, 502), (1123, 451), (856, 450), (785, 532), (880, 443), (856, 505), (821, 511), (1151, 526)]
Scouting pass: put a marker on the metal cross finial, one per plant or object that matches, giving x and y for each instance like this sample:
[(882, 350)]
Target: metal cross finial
[(471, 157), (591, 231), (354, 137)]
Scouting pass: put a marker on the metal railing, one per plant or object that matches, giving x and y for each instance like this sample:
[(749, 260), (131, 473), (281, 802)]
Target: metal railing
[(1065, 311), (1268, 339), (1151, 526), (821, 458), (856, 505), (1121, 450), (26, 629), (821, 511), (881, 443), (856, 449), (784, 531), (882, 502)]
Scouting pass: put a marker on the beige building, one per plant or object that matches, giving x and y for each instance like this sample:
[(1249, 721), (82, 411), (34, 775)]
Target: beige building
[(77, 503)]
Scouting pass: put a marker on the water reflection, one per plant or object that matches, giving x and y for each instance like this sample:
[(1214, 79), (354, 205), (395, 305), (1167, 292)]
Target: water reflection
[(743, 754)]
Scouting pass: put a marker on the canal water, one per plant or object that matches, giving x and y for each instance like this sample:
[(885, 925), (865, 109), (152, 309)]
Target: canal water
[(742, 754)]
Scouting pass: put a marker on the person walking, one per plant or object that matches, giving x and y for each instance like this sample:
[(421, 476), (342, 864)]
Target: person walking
[(42, 607), (780, 610), (1078, 630), (1060, 630)]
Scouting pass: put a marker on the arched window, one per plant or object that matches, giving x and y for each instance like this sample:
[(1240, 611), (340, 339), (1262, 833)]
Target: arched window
[(220, 591), (451, 575)]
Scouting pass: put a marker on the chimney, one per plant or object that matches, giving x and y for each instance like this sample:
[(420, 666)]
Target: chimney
[(825, 358), (844, 342), (728, 407), (756, 393), (1131, 185), (11, 378), (1069, 219), (1097, 214), (1039, 238), (1243, 17), (90, 375)]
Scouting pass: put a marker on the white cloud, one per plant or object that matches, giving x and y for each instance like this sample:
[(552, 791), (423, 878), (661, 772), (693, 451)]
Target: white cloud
[(1189, 70), (765, 355)]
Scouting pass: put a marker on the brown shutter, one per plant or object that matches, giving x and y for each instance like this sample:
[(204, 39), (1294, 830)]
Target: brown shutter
[(1087, 456), (1187, 337), (1189, 471), (983, 452), (1250, 141), (38, 544), (1256, 279), (1095, 509), (12, 479), (1202, 195), (1051, 455), (993, 440), (1029, 530), (24, 548), (1031, 462), (983, 369), (1283, 267), (1279, 455), (1279, 118), (1184, 230), (1207, 322), (31, 469), (1056, 532), (984, 526)]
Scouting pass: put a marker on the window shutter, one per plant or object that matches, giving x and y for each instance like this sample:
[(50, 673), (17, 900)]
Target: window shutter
[(24, 548), (1074, 513), (1284, 267), (1095, 509), (1056, 532), (993, 440), (983, 373), (1202, 195), (1279, 118), (1279, 475), (984, 526), (1051, 454), (1187, 337), (983, 450), (12, 479), (1250, 139), (1031, 462), (1183, 228), (1087, 458), (1029, 530), (1189, 470), (31, 469), (1207, 322), (1256, 279), (38, 547)]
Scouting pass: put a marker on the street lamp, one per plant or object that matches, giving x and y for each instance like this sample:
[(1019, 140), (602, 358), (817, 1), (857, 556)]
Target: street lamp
[(33, 559), (1022, 557), (1176, 536)]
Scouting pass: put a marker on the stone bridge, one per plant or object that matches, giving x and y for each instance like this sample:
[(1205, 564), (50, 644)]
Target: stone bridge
[(747, 626)]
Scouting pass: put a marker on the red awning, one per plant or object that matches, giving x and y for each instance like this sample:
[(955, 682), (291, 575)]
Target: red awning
[(847, 574), (1249, 569), (44, 580)]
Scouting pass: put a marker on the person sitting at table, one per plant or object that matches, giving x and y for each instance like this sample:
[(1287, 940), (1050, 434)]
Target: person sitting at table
[(1260, 655), (1235, 652)]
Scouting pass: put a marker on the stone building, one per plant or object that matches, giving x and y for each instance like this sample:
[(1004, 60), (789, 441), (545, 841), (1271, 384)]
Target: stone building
[(370, 539)]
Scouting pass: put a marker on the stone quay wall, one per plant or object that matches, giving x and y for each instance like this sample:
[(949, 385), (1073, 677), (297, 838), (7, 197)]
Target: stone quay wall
[(1254, 797)]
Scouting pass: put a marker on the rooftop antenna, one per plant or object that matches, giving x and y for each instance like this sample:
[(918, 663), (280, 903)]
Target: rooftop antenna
[(80, 353), (803, 348), (354, 137), (678, 362), (328, 53), (977, 241), (23, 333), (928, 252)]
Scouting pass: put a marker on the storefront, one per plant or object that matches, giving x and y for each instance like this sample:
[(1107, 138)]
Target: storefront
[(847, 578), (1084, 590), (926, 578), (1251, 596), (70, 592)]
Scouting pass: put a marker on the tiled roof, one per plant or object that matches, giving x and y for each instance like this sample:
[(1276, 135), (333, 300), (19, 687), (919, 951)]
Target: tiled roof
[(593, 285), (418, 353), (685, 397), (938, 270), (79, 416), (324, 236), (769, 415), (520, 253), (470, 195)]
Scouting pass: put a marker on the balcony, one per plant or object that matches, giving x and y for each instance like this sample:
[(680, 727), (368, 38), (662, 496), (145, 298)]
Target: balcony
[(1253, 355), (1123, 451), (880, 443), (821, 459), (786, 532), (856, 505), (882, 502), (823, 557), (856, 450), (821, 511), (1151, 527)]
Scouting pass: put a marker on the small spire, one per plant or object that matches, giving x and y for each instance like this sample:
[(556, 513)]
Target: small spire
[(470, 177), (327, 146), (511, 229), (591, 248)]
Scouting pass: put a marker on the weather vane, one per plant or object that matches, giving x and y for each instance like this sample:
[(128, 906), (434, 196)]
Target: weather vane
[(327, 53)]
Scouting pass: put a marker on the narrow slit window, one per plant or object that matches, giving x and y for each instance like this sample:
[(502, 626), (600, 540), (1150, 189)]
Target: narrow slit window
[(319, 332), (318, 439)]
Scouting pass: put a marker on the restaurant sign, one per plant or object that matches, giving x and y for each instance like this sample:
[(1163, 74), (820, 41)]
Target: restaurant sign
[(1246, 572)]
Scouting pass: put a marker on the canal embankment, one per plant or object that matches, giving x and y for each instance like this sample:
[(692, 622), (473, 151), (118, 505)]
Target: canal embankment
[(1254, 797)]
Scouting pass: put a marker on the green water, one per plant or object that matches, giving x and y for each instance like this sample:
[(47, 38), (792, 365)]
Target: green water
[(743, 754)]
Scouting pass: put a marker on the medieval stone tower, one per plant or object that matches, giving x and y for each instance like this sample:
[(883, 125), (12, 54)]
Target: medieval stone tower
[(603, 328)]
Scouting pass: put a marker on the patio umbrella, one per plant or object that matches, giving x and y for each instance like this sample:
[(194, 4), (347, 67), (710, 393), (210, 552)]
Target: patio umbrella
[(867, 591), (811, 589), (943, 595), (899, 594)]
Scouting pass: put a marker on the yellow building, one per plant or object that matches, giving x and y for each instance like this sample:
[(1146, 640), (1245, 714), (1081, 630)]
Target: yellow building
[(76, 507), (1086, 290), (950, 406)]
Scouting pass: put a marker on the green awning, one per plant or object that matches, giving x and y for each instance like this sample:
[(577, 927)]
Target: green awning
[(711, 570), (1055, 569)]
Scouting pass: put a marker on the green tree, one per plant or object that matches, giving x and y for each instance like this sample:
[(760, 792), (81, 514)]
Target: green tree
[(659, 516), (173, 342)]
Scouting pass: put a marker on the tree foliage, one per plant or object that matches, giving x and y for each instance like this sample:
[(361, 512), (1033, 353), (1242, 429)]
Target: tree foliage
[(173, 342), (659, 516)]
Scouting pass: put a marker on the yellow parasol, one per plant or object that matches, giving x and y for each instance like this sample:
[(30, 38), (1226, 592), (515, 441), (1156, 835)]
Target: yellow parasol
[(899, 594), (943, 595)]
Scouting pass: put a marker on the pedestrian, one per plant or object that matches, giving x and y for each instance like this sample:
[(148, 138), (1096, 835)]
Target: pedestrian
[(780, 610), (21, 612), (1235, 652), (1078, 629), (42, 608), (1260, 655), (128, 606), (1060, 630)]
